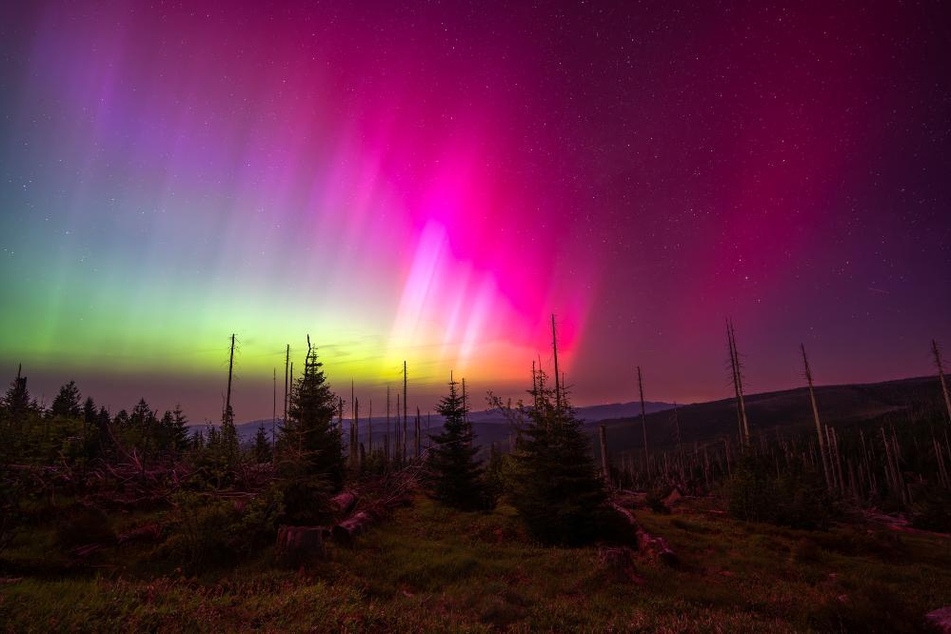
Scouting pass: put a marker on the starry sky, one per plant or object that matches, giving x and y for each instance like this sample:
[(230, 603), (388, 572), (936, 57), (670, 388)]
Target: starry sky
[(432, 181)]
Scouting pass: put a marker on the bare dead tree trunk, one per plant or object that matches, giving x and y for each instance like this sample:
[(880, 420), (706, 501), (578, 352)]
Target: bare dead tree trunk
[(356, 433), (680, 445), (640, 389), (287, 361), (944, 383), (386, 436), (939, 455), (340, 419), (534, 387), (738, 385), (273, 411), (554, 347), (418, 421), (605, 463), (228, 415), (353, 421), (815, 415)]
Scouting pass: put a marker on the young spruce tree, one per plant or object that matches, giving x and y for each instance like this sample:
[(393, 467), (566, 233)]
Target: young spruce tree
[(556, 488), (310, 450), (455, 475)]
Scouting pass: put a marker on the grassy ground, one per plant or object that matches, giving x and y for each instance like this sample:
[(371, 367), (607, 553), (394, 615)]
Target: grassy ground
[(431, 569)]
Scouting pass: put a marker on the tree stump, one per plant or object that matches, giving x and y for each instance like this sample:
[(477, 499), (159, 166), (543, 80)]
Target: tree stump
[(300, 545)]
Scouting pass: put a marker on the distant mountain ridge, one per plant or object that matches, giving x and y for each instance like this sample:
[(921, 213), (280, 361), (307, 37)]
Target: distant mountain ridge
[(768, 412), (783, 412), (487, 418)]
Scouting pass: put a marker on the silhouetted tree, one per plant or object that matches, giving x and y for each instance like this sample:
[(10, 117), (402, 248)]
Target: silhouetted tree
[(178, 432), (262, 447), (17, 399), (142, 428), (454, 473), (67, 402), (310, 449), (555, 485)]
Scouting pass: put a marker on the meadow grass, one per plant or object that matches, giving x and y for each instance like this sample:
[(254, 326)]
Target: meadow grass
[(428, 568)]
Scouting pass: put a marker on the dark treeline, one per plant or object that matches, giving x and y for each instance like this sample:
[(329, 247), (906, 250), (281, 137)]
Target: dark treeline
[(221, 500), (77, 461)]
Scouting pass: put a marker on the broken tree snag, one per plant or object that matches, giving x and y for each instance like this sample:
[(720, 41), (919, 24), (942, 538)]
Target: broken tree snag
[(300, 545), (345, 532)]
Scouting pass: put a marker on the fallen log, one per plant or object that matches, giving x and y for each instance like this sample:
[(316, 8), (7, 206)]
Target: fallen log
[(345, 502), (145, 534), (357, 524), (940, 620), (656, 548)]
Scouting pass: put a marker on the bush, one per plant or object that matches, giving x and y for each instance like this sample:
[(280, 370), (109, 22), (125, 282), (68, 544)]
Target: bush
[(931, 510), (83, 525), (797, 498), (750, 494), (11, 492), (306, 501), (211, 532)]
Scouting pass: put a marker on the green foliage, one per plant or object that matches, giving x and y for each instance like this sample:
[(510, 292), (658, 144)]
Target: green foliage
[(432, 568), (218, 459), (306, 499), (11, 494), (82, 525), (931, 508), (17, 399), (454, 475), (494, 475), (209, 532), (555, 484), (262, 446), (797, 497), (67, 401), (310, 458)]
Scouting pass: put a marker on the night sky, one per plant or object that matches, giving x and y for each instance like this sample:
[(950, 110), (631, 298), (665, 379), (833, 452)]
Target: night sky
[(432, 183)]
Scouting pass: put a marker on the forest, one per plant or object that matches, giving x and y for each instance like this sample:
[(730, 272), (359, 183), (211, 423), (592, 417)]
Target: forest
[(839, 521)]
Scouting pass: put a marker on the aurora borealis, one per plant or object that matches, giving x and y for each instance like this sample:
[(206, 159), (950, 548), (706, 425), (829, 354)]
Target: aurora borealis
[(431, 182)]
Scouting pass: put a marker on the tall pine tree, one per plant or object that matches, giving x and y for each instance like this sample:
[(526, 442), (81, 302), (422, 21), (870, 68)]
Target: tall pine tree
[(455, 476)]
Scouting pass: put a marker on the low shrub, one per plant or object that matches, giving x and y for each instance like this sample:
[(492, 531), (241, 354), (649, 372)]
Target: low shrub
[(798, 498), (931, 509), (209, 532), (81, 525)]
